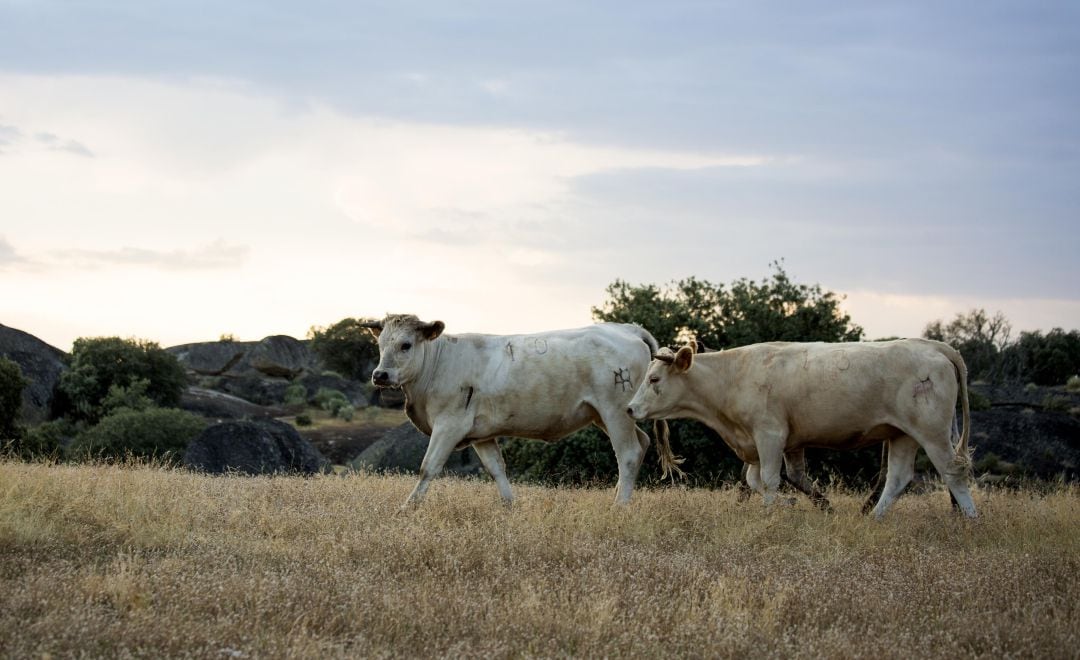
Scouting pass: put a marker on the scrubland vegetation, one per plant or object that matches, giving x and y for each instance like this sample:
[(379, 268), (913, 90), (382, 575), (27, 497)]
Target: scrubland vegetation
[(114, 561)]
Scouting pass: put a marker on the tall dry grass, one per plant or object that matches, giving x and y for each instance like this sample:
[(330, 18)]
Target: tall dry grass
[(111, 562)]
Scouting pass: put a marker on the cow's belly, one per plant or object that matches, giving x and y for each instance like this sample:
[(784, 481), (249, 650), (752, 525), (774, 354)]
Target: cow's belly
[(538, 424), (849, 439)]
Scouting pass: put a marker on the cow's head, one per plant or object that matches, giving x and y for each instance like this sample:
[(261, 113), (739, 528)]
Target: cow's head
[(664, 386), (403, 341)]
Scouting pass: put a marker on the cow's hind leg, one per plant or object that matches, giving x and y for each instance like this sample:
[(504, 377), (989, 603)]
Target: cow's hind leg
[(629, 452), (902, 452), (879, 480), (492, 458), (795, 465), (941, 453)]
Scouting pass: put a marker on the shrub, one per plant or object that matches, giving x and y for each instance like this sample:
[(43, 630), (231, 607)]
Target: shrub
[(346, 412), (295, 395), (990, 462), (1073, 384), (303, 419), (977, 401), (1031, 387), (330, 400), (132, 397), (97, 364), (11, 387), (586, 458), (346, 347), (46, 440), (153, 433), (1055, 403)]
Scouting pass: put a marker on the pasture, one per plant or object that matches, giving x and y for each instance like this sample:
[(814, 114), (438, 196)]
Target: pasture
[(106, 561)]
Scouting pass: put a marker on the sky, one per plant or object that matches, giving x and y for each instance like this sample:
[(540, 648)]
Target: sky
[(177, 171)]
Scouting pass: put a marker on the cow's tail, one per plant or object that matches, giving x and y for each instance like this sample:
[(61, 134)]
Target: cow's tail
[(669, 462), (962, 459)]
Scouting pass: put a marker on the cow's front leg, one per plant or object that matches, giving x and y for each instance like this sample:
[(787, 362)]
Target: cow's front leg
[(442, 442), (770, 448), (492, 458)]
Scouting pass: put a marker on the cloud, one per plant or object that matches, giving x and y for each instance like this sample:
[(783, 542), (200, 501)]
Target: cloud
[(56, 143), (8, 255), (9, 135), (215, 256)]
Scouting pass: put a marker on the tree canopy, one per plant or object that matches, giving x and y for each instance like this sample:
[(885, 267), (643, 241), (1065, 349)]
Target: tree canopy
[(346, 347), (775, 308), (100, 364)]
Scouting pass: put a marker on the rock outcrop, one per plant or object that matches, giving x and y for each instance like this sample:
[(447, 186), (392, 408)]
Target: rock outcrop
[(402, 449), (253, 447), (277, 356), (41, 365), (219, 405)]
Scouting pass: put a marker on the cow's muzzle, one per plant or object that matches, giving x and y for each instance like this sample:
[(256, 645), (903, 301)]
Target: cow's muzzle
[(381, 379)]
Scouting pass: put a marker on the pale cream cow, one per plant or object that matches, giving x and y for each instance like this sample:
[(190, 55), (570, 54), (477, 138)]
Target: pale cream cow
[(470, 389), (774, 399)]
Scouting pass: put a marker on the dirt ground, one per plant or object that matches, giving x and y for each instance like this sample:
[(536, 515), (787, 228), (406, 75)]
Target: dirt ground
[(341, 441)]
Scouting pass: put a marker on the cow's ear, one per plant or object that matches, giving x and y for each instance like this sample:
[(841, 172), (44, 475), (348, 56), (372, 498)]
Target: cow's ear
[(374, 327), (432, 330), (684, 358)]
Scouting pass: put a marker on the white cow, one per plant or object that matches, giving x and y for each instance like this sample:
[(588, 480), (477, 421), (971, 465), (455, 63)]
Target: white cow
[(470, 389), (771, 400)]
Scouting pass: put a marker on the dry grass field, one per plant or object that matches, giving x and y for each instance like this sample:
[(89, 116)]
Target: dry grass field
[(102, 561)]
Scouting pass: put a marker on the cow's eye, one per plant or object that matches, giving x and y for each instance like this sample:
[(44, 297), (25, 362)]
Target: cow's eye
[(654, 379), (406, 346)]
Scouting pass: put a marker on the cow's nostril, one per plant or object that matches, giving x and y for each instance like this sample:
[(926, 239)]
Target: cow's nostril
[(380, 375), (630, 411)]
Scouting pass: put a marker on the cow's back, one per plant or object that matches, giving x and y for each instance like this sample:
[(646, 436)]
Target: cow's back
[(827, 393), (540, 384)]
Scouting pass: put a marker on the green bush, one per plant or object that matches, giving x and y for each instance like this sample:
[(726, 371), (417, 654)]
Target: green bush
[(586, 458), (162, 433), (346, 412), (977, 401), (132, 397), (295, 395), (97, 364), (346, 348), (330, 400), (1056, 403), (46, 440), (11, 387), (303, 419), (1073, 384)]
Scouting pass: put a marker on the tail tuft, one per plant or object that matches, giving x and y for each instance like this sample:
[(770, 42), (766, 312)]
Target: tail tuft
[(669, 462)]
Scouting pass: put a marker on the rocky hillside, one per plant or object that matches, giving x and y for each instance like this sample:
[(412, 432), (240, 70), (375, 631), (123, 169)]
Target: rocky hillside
[(41, 364)]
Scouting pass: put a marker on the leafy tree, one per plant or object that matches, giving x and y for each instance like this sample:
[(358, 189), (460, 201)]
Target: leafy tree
[(346, 347), (980, 338), (11, 387), (744, 312), (1049, 359), (100, 363)]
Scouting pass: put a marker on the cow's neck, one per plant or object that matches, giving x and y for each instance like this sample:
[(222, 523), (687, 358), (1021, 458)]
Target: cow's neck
[(417, 391), (710, 385)]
